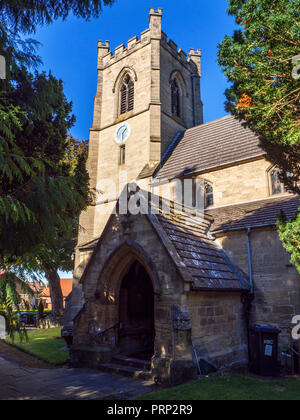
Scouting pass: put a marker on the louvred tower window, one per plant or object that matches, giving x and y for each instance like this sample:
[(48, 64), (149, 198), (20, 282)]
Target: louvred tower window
[(127, 95)]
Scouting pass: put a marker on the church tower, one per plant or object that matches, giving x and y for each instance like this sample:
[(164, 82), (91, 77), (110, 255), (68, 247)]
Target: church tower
[(147, 92)]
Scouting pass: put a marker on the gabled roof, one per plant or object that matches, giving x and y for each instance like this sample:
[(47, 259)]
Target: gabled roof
[(202, 257), (198, 258), (215, 144), (148, 171), (253, 214), (88, 245)]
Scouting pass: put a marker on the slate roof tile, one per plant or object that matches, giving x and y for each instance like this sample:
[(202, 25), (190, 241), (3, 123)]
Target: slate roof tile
[(207, 146), (253, 214), (205, 261)]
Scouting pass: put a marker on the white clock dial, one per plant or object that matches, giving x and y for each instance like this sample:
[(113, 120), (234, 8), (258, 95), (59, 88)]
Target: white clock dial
[(122, 133)]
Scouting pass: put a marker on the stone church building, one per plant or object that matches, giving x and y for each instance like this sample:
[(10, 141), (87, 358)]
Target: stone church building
[(161, 287)]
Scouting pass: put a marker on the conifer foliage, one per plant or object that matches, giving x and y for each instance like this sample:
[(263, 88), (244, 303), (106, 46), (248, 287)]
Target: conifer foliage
[(10, 301), (259, 61), (24, 15), (262, 62), (44, 184)]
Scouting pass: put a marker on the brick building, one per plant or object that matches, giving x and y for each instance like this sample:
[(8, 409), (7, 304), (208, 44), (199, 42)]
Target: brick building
[(164, 284), (66, 288)]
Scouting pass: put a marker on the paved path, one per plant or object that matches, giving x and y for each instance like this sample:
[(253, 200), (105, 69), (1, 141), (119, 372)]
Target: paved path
[(27, 383)]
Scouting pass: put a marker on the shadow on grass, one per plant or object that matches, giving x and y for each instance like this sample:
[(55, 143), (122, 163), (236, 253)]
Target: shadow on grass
[(231, 387), (44, 344)]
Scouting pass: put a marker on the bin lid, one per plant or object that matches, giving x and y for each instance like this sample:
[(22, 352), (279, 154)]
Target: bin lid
[(264, 328)]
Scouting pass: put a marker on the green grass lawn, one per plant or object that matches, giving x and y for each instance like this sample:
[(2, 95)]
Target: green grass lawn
[(44, 344), (231, 387)]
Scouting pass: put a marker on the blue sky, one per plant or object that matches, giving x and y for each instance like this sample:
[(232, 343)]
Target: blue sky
[(69, 49)]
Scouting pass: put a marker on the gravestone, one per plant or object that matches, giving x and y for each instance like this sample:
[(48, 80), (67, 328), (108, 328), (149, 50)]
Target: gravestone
[(2, 327)]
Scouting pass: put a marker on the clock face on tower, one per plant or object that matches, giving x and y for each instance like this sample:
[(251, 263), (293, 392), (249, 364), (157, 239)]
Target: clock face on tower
[(122, 133)]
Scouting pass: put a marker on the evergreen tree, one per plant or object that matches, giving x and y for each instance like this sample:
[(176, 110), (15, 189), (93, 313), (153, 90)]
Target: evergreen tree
[(57, 253), (261, 61), (41, 193), (49, 196), (289, 233), (11, 301), (25, 16)]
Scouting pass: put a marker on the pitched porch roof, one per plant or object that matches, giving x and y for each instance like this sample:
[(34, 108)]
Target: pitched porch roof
[(198, 258), (200, 255)]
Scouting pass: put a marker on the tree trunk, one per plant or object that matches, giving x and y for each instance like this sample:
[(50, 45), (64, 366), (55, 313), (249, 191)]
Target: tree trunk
[(56, 295)]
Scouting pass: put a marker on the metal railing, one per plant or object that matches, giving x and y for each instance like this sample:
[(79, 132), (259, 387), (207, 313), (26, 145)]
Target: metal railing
[(104, 336)]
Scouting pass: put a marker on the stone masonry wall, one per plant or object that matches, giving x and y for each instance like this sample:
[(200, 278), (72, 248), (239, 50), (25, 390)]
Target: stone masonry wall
[(277, 283), (173, 358), (218, 327), (170, 283), (243, 182), (191, 106)]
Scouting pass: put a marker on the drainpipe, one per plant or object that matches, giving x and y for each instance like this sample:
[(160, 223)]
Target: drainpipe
[(250, 260), (248, 298)]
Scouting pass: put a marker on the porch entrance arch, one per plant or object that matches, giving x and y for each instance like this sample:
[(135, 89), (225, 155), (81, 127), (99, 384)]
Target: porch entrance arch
[(136, 313), (127, 293)]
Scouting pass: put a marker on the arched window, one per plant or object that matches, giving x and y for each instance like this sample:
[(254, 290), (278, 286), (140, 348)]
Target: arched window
[(203, 194), (208, 195), (276, 186), (175, 93), (122, 155), (126, 95)]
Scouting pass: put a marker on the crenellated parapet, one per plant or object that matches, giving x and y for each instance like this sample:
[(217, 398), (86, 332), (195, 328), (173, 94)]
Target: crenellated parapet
[(195, 59), (154, 12), (190, 60), (104, 45), (103, 49), (154, 32), (123, 50)]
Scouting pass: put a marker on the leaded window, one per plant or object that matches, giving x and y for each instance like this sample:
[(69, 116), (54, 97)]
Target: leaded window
[(175, 98), (208, 195), (277, 187), (203, 194)]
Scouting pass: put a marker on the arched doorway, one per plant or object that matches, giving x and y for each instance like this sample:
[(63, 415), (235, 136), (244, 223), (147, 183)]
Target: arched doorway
[(136, 313)]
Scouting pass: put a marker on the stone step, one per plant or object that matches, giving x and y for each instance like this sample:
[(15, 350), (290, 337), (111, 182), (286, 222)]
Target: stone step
[(125, 370), (131, 361)]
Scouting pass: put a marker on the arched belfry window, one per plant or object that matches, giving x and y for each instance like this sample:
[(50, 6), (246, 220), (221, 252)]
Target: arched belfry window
[(126, 95), (175, 98)]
